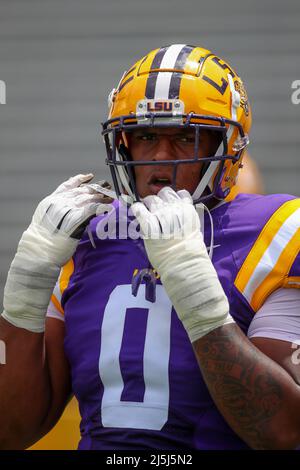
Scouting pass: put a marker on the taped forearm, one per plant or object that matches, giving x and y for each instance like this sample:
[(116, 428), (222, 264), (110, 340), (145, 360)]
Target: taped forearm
[(193, 286), (32, 277)]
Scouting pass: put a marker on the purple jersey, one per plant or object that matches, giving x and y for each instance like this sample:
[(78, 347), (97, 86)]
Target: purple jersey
[(133, 368)]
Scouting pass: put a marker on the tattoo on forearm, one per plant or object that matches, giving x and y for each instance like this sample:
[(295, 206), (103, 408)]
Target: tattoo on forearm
[(247, 394)]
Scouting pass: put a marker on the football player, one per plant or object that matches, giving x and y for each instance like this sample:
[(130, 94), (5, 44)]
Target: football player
[(183, 337)]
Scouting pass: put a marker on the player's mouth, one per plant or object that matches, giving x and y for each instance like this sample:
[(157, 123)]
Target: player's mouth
[(157, 181)]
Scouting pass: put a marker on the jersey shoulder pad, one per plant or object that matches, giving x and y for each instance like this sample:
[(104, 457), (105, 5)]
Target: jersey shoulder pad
[(273, 260)]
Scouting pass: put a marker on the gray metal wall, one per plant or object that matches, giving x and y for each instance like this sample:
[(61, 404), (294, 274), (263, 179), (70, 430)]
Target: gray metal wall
[(60, 59)]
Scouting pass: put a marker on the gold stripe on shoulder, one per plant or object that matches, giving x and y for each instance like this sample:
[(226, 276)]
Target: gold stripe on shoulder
[(276, 278), (263, 241)]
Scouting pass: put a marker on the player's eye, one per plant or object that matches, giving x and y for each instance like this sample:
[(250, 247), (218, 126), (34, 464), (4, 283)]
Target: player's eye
[(147, 137), (186, 139)]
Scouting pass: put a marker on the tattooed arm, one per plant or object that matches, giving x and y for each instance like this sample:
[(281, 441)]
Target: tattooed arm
[(258, 397)]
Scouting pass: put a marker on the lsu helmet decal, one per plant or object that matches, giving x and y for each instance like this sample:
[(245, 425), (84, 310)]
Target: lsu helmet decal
[(187, 87)]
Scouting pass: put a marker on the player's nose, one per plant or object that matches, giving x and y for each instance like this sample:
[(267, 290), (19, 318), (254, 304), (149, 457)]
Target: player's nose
[(164, 149)]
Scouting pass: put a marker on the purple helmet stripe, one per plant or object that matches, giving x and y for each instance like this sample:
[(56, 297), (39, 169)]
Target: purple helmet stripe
[(125, 83), (158, 58), (176, 77), (175, 85), (182, 57), (128, 72), (150, 86)]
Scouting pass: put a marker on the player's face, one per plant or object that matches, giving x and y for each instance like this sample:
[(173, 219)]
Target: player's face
[(161, 145)]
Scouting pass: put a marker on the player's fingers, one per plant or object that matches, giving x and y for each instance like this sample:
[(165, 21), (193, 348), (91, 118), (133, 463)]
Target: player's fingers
[(167, 194), (152, 202), (185, 196), (74, 182), (149, 225), (139, 210), (85, 192), (83, 189), (84, 199)]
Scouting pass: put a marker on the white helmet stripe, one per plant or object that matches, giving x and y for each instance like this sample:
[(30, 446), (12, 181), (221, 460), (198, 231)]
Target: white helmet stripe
[(164, 78)]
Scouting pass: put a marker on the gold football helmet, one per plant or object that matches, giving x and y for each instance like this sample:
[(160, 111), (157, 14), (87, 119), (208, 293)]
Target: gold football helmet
[(187, 87)]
